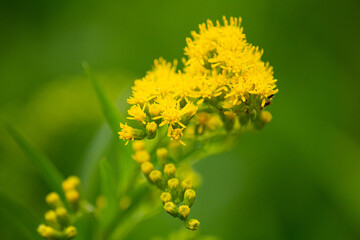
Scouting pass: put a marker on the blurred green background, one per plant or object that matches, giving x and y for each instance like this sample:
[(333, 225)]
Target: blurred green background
[(299, 178)]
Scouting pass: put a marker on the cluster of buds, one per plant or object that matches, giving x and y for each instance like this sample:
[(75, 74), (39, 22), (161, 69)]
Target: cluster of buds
[(177, 196), (58, 220)]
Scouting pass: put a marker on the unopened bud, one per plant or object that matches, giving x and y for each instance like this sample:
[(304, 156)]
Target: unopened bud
[(170, 208), (156, 177), (189, 197), (70, 232), (141, 156), (138, 145), (184, 211), (147, 167), (155, 109), (186, 184), (151, 129), (165, 197), (72, 196), (265, 116), (170, 170), (71, 183), (48, 232), (192, 224), (53, 199), (62, 214), (50, 217)]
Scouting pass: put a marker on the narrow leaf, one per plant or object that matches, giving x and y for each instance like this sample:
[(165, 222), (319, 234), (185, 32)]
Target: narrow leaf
[(109, 110), (46, 168)]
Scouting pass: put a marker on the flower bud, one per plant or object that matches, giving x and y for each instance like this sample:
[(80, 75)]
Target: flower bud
[(62, 215), (192, 224), (72, 196), (53, 199), (50, 217), (71, 183), (189, 197), (170, 208), (162, 154), (138, 145), (151, 129), (170, 170), (165, 197), (265, 116), (186, 184), (156, 177), (141, 156), (48, 232), (147, 167), (70, 232), (184, 211), (173, 185)]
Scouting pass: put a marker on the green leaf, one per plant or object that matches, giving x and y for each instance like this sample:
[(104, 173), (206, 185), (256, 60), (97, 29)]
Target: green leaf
[(108, 190), (25, 221), (109, 110), (46, 168)]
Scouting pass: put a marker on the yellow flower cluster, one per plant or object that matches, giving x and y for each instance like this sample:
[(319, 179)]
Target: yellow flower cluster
[(58, 222), (223, 74), (177, 196)]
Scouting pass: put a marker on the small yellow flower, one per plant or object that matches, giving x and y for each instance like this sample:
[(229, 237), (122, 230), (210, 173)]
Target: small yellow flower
[(173, 183), (170, 208), (155, 176), (71, 183), (176, 135), (137, 113), (186, 184), (70, 232), (72, 196), (265, 116)]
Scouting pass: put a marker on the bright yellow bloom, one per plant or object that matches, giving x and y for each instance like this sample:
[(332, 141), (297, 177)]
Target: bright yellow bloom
[(137, 113)]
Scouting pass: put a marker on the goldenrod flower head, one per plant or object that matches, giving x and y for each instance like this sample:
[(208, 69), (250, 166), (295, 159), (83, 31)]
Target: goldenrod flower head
[(162, 153), (220, 54), (155, 176), (141, 156), (186, 184), (138, 145), (46, 231), (265, 116), (70, 232), (72, 196), (147, 167), (137, 113), (184, 211), (189, 197), (128, 133), (53, 199), (50, 216), (166, 197), (155, 109), (151, 127), (71, 183), (192, 224), (173, 183), (170, 208), (170, 170)]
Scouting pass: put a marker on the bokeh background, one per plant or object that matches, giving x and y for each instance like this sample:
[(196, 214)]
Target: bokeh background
[(299, 178)]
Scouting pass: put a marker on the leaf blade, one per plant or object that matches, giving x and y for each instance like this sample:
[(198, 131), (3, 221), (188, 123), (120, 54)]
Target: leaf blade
[(46, 168)]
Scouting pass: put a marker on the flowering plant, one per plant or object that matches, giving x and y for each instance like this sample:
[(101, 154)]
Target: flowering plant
[(175, 118)]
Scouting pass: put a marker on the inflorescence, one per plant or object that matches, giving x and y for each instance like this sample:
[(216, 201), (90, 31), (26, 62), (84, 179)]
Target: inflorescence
[(58, 219), (224, 87)]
